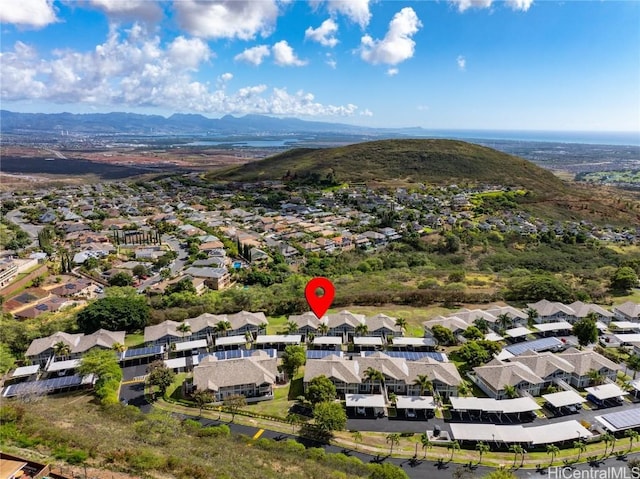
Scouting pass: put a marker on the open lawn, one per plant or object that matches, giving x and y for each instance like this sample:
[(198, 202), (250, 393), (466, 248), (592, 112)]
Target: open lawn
[(134, 340)]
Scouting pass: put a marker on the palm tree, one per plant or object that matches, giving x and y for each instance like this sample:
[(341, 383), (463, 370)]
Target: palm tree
[(222, 327), (118, 347), (633, 436), (361, 330), (323, 329), (593, 316), (61, 349), (248, 336), (357, 438), (482, 324), (374, 375), (464, 388), (481, 447), (294, 420), (504, 320), (184, 328), (454, 446), (393, 439), (532, 315), (608, 439), (393, 399), (202, 398), (515, 449), (581, 447), (424, 383), (402, 324), (633, 363), (510, 391), (291, 327), (426, 443), (595, 376), (553, 450)]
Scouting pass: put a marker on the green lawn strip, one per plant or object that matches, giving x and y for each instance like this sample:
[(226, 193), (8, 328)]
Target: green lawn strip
[(276, 324), (134, 340), (376, 443)]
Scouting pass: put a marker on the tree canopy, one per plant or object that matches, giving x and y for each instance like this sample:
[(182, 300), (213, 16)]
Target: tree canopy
[(586, 331), (321, 389), (115, 314), (292, 358), (329, 416), (104, 364)]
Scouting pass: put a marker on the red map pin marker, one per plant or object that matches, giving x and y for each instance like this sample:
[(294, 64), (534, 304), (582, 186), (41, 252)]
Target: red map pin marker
[(319, 304)]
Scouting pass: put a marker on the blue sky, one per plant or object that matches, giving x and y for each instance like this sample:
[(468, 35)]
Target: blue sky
[(448, 64)]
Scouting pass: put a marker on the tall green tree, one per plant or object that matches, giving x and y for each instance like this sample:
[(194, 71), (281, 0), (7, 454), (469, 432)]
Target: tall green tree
[(586, 331), (160, 376), (103, 363), (115, 314), (393, 439), (293, 357), (624, 279), (329, 417), (321, 389)]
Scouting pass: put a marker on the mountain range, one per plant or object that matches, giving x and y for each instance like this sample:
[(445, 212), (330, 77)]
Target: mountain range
[(178, 124)]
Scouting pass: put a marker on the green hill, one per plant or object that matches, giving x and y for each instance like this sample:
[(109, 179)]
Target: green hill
[(399, 161)]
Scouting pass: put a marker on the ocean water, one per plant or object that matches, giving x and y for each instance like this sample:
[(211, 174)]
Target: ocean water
[(583, 137)]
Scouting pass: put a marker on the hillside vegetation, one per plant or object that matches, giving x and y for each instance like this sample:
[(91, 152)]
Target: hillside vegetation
[(428, 161), (440, 162)]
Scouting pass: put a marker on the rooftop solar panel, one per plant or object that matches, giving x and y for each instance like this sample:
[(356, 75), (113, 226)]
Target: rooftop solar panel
[(237, 354), (45, 386), (319, 354), (627, 419), (535, 345), (140, 352), (412, 355)]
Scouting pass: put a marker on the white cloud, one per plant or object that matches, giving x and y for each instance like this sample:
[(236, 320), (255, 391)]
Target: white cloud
[(254, 55), (356, 10), (392, 72), (243, 19), (462, 62), (135, 70), (466, 4), (324, 34), (522, 5), (331, 61), (366, 112), (188, 53), (147, 10), (284, 55), (397, 45), (28, 13)]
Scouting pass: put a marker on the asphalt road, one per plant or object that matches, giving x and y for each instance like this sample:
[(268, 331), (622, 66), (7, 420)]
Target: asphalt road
[(16, 216), (132, 391)]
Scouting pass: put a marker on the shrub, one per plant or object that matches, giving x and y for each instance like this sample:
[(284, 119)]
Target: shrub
[(316, 454), (145, 460), (72, 456)]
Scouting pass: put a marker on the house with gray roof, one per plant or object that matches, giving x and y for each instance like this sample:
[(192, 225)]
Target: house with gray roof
[(215, 278), (349, 375), (41, 349), (252, 377), (383, 326), (547, 365), (165, 333), (551, 312), (582, 310), (344, 324), (585, 361), (628, 311), (496, 374), (102, 339)]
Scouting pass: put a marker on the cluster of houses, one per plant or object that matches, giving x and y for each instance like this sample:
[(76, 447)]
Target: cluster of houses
[(232, 354), (544, 318)]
